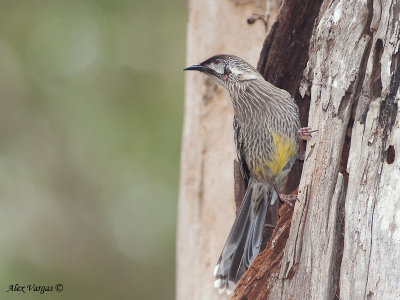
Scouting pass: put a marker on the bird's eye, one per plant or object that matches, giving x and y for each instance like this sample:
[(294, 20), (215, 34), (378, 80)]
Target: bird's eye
[(217, 61)]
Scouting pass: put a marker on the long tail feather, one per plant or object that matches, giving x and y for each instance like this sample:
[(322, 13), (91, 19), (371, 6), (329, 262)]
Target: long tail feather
[(245, 237)]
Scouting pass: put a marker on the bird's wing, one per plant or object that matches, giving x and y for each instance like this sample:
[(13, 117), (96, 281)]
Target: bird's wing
[(238, 137)]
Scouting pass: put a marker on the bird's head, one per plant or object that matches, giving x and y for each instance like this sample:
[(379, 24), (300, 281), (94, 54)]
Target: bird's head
[(226, 69)]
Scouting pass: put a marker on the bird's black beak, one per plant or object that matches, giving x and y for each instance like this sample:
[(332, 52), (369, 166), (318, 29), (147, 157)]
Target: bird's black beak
[(200, 68)]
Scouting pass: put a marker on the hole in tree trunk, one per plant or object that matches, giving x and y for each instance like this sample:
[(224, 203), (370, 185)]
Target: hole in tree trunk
[(390, 155), (376, 83)]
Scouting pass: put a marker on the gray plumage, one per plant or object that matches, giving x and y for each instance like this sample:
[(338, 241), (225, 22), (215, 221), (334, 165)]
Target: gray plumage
[(266, 121)]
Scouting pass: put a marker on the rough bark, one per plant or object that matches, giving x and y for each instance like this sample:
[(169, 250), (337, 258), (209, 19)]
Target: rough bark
[(343, 240), (372, 231)]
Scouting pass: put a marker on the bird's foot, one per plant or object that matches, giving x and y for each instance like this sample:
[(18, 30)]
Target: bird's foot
[(289, 199), (302, 136), (304, 133)]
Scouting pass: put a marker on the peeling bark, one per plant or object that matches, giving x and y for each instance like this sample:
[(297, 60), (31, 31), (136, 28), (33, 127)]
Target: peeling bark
[(261, 275), (344, 72), (343, 239), (372, 232)]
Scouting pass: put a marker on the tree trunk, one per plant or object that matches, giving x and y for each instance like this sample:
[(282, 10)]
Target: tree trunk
[(343, 239)]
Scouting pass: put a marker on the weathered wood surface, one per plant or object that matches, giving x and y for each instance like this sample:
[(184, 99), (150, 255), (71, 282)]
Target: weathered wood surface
[(354, 47), (206, 199), (337, 53), (370, 266), (353, 78), (344, 239)]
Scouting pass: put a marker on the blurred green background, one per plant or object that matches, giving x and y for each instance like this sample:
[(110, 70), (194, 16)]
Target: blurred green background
[(91, 104)]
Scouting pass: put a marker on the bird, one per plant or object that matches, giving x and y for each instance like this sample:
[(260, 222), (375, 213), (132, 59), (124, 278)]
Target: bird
[(268, 139)]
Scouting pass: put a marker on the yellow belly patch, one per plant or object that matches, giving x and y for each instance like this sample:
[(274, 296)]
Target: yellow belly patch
[(285, 148)]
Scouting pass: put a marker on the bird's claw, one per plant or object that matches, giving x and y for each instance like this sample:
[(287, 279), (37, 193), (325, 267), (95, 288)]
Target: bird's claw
[(289, 199), (305, 132)]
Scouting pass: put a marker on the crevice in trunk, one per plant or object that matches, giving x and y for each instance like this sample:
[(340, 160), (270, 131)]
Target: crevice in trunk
[(355, 92), (389, 105), (282, 61), (283, 58)]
